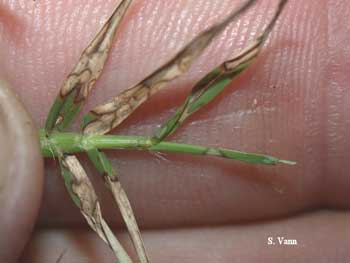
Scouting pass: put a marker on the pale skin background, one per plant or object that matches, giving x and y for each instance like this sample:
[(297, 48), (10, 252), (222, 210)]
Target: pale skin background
[(293, 103)]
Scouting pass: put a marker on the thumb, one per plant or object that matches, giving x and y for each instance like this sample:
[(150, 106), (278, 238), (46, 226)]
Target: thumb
[(21, 175)]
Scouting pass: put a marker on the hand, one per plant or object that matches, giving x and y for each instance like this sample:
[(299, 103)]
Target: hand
[(292, 104)]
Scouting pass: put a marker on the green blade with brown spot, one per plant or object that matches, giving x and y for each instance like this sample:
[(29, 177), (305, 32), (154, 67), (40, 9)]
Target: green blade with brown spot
[(216, 81)]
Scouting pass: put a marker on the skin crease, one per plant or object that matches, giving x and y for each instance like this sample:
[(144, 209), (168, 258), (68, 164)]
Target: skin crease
[(292, 103)]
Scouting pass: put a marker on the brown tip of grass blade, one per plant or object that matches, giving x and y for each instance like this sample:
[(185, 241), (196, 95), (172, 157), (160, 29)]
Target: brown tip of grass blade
[(121, 198)]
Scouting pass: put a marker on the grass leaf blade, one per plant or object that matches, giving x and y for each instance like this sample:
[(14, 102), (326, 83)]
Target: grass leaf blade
[(81, 191), (104, 118), (118, 142), (81, 80), (103, 165), (216, 81)]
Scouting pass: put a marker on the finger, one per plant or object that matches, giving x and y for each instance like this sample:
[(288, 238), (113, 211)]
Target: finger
[(279, 107), (317, 237), (21, 175)]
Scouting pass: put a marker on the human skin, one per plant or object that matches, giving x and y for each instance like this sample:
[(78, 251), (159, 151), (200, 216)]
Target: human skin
[(21, 171), (292, 103)]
